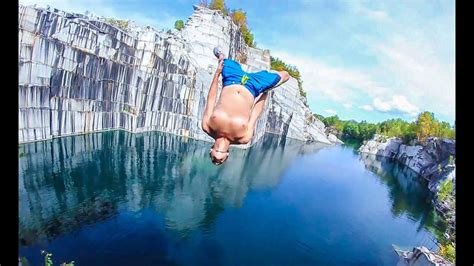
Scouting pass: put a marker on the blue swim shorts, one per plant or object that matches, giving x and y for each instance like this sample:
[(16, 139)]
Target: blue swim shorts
[(256, 83)]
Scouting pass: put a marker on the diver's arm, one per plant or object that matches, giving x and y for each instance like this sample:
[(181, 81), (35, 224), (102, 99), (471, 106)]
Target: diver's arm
[(211, 98), (256, 111)]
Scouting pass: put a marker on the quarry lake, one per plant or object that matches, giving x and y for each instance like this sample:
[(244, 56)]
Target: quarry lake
[(115, 198)]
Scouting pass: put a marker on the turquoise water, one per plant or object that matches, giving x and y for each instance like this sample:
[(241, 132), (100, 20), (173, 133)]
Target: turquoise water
[(116, 198)]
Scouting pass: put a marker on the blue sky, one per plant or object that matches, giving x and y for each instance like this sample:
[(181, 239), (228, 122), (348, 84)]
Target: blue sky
[(362, 60)]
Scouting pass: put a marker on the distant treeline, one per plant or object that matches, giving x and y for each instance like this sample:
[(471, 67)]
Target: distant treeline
[(426, 125)]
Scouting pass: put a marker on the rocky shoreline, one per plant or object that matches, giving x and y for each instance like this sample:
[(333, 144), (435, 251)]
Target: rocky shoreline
[(434, 160)]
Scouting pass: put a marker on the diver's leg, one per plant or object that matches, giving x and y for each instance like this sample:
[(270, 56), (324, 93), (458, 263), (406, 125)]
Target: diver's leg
[(284, 77)]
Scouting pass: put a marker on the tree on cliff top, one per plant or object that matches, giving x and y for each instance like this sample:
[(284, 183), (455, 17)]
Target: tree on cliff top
[(219, 5), (428, 126), (238, 16), (179, 24), (120, 23), (424, 125), (278, 65)]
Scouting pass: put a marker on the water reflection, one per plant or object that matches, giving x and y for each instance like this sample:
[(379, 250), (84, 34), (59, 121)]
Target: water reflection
[(408, 193), (73, 181)]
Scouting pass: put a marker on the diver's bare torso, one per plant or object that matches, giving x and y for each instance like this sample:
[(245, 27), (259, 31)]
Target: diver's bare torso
[(231, 114)]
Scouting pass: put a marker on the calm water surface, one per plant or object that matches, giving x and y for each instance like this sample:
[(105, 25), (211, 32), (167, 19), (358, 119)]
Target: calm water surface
[(117, 198)]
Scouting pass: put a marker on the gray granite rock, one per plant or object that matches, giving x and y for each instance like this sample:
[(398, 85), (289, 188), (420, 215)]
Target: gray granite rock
[(426, 159), (434, 161), (420, 256), (333, 139), (79, 74)]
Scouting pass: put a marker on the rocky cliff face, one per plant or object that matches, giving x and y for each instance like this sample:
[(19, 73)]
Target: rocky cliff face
[(434, 161), (78, 74), (426, 160)]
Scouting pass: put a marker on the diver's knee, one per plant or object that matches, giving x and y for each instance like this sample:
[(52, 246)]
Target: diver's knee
[(284, 75)]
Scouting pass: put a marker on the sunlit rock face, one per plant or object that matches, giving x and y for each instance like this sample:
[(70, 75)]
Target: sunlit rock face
[(426, 159), (79, 74)]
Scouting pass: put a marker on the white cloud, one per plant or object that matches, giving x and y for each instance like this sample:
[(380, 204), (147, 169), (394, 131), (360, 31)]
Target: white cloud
[(423, 76), (347, 105), (410, 76), (330, 111), (338, 84), (397, 103), (381, 105), (376, 14), (367, 107), (400, 103), (409, 49), (359, 9)]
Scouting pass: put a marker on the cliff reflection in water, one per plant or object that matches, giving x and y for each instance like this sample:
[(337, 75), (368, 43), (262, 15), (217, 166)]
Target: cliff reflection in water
[(73, 181), (408, 192)]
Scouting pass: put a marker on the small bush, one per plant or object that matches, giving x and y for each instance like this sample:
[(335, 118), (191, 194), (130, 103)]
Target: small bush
[(179, 24), (49, 262), (122, 24), (448, 252), (445, 190)]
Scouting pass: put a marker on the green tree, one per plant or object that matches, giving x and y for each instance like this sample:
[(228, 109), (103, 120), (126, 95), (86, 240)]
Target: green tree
[(409, 132), (278, 65), (351, 130), (217, 5), (367, 130), (179, 24), (445, 189), (427, 125), (424, 125), (239, 17), (445, 130), (333, 121), (49, 262), (247, 35), (448, 251)]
